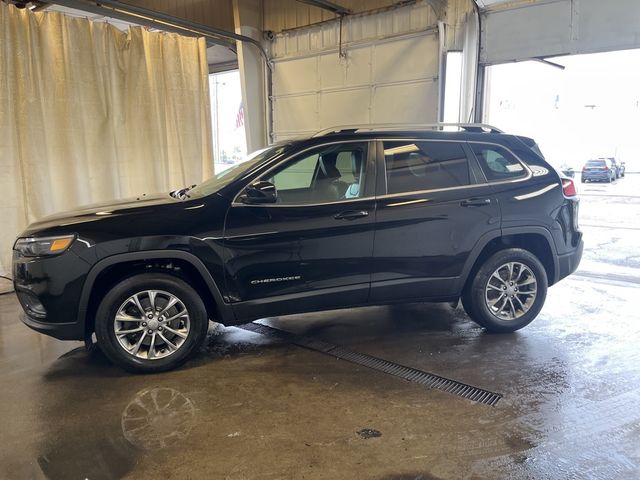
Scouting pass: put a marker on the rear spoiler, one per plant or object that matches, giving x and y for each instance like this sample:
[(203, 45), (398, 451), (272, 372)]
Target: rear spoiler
[(531, 144)]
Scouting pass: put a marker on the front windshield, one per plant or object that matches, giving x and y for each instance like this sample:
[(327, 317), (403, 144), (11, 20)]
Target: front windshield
[(224, 178)]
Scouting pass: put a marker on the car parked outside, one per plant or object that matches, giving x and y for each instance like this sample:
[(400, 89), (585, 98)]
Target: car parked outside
[(353, 216), (568, 170), (617, 167), (599, 170)]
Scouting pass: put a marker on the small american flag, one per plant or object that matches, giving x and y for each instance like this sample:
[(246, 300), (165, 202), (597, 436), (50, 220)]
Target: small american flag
[(240, 116)]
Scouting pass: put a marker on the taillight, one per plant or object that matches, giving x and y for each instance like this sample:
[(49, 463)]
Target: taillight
[(568, 188)]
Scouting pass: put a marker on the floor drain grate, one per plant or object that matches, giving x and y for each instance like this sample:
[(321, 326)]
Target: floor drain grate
[(410, 374)]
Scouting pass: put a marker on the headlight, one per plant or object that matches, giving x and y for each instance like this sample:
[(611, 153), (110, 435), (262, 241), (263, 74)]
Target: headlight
[(43, 246)]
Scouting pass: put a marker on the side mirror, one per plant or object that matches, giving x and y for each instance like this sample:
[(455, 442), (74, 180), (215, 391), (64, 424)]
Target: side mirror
[(259, 192)]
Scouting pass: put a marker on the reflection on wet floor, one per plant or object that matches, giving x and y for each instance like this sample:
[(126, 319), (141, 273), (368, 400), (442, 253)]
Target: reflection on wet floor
[(253, 406), (155, 420), (158, 418)]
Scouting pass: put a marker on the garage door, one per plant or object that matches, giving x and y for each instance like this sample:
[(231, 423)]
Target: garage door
[(387, 78), (558, 27)]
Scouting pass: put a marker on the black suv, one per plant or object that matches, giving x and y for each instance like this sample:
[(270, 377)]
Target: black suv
[(350, 217)]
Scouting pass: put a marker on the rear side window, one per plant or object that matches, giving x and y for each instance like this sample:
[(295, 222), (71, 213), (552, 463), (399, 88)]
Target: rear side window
[(497, 162), (415, 165), (596, 163)]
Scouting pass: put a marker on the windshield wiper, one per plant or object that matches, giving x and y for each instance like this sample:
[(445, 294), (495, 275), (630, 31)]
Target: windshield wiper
[(181, 193)]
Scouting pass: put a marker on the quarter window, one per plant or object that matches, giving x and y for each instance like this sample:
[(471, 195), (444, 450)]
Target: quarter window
[(327, 174), (497, 162), (415, 165)]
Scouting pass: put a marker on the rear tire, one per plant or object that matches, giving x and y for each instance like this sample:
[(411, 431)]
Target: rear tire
[(513, 276), (166, 318)]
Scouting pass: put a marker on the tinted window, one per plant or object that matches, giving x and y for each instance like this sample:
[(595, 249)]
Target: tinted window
[(224, 178), (326, 174), (298, 175), (596, 163), (497, 162), (414, 165)]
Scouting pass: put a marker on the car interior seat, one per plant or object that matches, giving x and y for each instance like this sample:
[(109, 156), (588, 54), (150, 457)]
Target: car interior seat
[(353, 190), (328, 185)]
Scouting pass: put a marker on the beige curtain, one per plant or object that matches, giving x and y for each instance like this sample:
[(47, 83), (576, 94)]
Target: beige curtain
[(89, 113)]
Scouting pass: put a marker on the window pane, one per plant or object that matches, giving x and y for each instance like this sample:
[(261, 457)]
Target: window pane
[(414, 166), (227, 120), (497, 163), (327, 174), (596, 163), (298, 175)]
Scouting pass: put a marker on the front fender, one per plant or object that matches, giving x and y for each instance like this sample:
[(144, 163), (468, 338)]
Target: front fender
[(224, 309)]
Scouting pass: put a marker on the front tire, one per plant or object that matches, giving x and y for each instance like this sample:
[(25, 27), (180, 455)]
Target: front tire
[(151, 323), (507, 292)]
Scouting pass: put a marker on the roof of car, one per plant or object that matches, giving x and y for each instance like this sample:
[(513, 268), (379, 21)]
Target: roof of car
[(457, 131), (387, 127)]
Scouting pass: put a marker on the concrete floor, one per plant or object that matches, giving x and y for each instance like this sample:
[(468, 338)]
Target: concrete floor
[(251, 407)]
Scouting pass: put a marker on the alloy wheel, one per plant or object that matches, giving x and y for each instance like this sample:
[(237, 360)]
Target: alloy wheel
[(511, 291), (152, 324)]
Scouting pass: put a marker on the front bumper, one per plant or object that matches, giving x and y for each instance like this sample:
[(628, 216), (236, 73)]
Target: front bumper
[(49, 290), (568, 262), (61, 331)]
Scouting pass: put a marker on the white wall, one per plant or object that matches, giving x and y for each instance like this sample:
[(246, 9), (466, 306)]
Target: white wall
[(558, 27)]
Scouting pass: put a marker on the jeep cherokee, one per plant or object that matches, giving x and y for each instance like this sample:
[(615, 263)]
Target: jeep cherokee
[(349, 217)]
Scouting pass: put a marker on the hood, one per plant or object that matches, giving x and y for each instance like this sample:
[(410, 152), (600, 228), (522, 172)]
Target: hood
[(98, 211)]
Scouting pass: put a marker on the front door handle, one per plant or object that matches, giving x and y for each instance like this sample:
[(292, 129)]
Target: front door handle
[(475, 202), (351, 215)]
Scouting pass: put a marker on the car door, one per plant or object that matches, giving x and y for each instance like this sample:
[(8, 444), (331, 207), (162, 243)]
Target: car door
[(312, 248), (433, 206), (524, 199)]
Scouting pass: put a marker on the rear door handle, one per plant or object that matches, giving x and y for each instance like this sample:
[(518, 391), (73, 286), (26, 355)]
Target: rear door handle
[(351, 215), (475, 202)]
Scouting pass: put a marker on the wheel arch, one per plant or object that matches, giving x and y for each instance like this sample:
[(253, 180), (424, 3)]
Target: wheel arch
[(537, 240), (109, 271)]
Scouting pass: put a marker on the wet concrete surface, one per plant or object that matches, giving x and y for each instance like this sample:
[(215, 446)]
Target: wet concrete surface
[(251, 406)]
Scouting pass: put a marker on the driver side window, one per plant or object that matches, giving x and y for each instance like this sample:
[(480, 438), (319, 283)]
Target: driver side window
[(328, 174)]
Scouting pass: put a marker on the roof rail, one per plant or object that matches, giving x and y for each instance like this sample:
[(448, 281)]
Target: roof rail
[(389, 127)]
